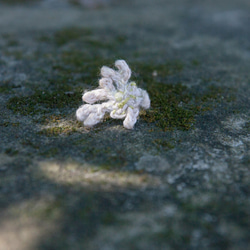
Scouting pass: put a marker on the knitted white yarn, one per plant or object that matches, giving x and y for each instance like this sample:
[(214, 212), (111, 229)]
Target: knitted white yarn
[(123, 100)]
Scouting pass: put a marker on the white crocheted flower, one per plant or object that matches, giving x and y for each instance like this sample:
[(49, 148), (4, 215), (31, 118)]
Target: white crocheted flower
[(123, 100)]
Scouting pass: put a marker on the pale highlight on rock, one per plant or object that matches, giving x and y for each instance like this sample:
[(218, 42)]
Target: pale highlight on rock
[(123, 98)]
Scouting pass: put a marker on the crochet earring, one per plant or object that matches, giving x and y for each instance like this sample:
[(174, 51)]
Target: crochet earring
[(123, 100)]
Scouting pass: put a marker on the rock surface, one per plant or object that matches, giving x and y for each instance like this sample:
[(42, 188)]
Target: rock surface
[(179, 180)]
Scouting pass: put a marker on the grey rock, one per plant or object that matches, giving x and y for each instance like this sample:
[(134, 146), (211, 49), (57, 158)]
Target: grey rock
[(64, 186)]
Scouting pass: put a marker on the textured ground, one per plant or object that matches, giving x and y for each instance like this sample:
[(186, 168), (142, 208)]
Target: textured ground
[(179, 180)]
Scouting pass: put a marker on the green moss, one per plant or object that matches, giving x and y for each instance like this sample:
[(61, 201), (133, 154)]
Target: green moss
[(50, 152), (213, 93), (17, 54), (167, 109), (92, 44), (97, 43), (93, 151), (170, 107), (195, 62), (11, 151), (50, 211), (67, 35), (103, 154), (174, 106), (7, 124), (42, 102), (5, 88), (30, 143), (44, 38), (152, 71), (247, 126), (74, 62), (121, 39), (114, 161), (108, 218), (12, 42), (163, 143), (82, 62), (2, 63)]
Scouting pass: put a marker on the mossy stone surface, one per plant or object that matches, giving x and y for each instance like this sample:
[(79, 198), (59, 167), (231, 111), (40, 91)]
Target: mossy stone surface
[(178, 180)]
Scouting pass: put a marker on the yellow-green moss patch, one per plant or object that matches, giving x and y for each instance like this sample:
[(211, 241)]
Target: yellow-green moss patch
[(55, 131)]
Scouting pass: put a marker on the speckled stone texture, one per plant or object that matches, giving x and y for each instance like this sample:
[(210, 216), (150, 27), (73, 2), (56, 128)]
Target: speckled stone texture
[(178, 180)]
